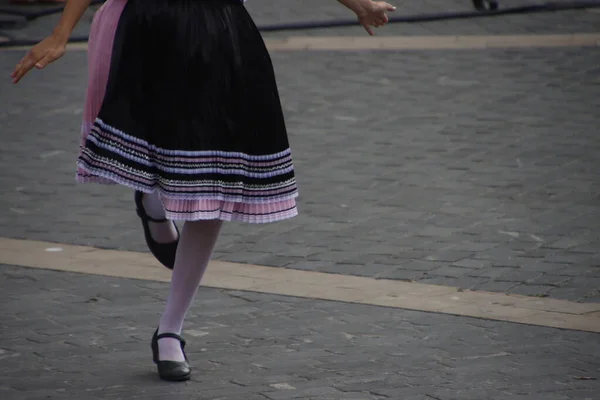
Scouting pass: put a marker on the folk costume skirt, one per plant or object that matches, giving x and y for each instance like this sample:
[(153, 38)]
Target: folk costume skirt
[(182, 100)]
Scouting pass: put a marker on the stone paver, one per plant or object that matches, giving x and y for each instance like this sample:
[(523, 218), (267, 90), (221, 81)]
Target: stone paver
[(475, 169), (66, 336)]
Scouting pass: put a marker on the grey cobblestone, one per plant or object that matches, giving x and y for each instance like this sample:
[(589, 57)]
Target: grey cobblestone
[(315, 10), (532, 290), (490, 273), (276, 348), (552, 280), (450, 271)]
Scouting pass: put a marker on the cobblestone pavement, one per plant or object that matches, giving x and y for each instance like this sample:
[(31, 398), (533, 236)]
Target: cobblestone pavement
[(73, 336), (266, 12), (318, 10), (477, 169)]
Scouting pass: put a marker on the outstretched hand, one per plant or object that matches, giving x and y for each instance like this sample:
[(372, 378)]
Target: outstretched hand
[(375, 14), (42, 54)]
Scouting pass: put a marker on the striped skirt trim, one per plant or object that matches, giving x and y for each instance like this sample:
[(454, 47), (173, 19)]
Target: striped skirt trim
[(188, 162)]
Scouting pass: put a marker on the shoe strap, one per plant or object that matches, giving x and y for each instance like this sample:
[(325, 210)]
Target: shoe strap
[(173, 336), (142, 214)]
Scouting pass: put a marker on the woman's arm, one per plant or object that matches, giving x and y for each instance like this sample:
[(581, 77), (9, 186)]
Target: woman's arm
[(71, 15), (369, 13), (53, 47)]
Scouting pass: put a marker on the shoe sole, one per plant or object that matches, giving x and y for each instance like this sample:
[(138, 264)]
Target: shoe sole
[(176, 378)]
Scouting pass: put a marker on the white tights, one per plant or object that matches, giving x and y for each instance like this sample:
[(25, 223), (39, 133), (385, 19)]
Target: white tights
[(196, 244)]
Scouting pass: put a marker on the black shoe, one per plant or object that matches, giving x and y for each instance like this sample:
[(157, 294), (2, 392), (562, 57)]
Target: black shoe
[(164, 252), (175, 371)]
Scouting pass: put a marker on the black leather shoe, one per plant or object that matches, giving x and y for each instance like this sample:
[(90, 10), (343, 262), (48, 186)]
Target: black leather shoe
[(164, 252), (174, 371)]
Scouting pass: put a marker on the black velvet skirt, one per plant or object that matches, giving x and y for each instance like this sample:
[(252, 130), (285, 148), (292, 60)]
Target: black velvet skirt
[(182, 99)]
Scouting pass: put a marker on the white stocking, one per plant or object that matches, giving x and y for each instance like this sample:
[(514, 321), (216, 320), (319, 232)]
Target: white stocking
[(198, 239)]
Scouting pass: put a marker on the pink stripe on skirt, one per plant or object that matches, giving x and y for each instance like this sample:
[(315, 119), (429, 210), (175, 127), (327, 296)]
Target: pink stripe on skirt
[(100, 46)]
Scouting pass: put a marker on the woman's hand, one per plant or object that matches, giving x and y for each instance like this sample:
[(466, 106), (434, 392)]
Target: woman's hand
[(42, 54), (370, 13), (374, 15)]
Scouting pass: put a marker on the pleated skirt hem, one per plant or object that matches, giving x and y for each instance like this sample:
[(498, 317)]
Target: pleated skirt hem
[(199, 209)]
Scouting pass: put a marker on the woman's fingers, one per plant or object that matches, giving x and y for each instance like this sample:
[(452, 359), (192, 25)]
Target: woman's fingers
[(23, 67), (21, 71), (47, 59), (389, 7), (42, 54)]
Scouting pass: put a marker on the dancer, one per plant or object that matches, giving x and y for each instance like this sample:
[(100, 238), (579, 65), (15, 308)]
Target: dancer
[(182, 106)]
